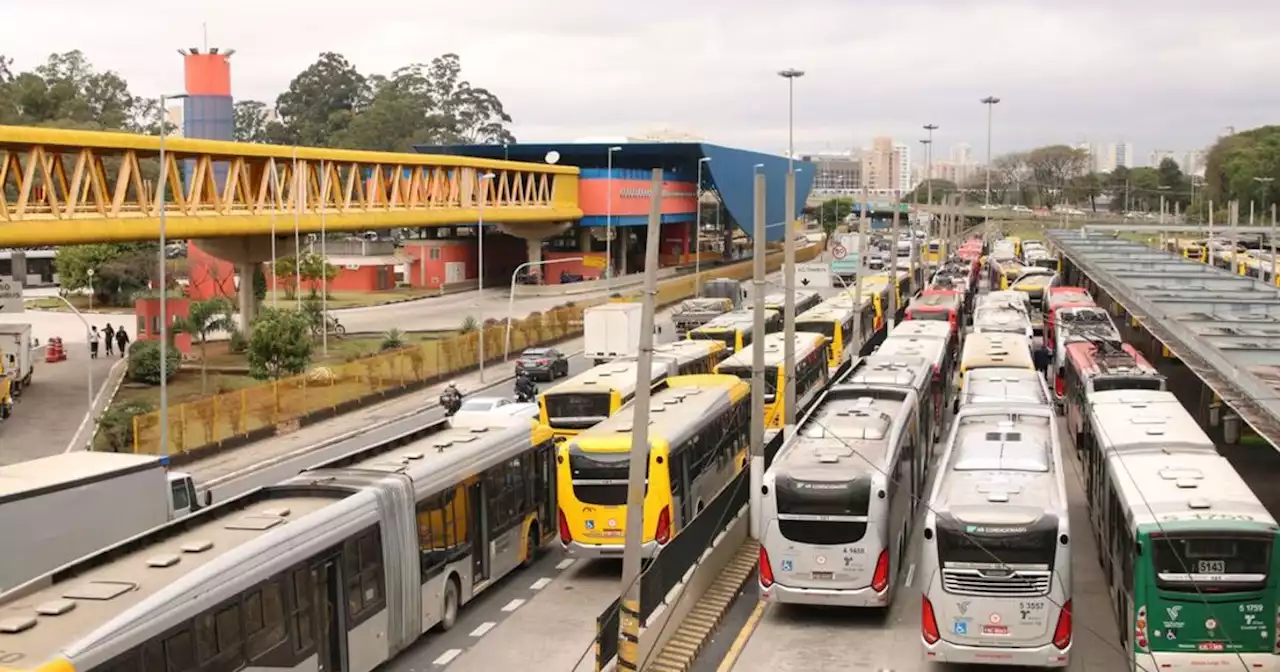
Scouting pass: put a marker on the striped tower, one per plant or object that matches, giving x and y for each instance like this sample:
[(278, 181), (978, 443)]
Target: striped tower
[(207, 114)]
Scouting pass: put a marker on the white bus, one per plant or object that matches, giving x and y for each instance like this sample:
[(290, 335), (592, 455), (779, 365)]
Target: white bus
[(840, 498), (936, 348), (1001, 387), (996, 558), (338, 569), (907, 371)]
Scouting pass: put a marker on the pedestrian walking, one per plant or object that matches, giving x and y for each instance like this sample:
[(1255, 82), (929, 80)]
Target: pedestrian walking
[(122, 340), (93, 343), (1041, 357), (109, 338)]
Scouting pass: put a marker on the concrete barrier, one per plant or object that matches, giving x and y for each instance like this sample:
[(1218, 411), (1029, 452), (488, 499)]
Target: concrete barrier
[(572, 288)]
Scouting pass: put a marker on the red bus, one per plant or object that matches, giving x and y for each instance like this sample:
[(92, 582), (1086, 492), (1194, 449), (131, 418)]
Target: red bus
[(939, 305), (1063, 297), (1098, 366)]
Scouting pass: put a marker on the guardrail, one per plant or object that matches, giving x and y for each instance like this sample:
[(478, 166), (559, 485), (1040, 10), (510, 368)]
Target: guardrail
[(674, 563), (281, 406)]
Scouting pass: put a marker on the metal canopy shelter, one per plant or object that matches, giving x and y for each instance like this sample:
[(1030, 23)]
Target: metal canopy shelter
[(1224, 327)]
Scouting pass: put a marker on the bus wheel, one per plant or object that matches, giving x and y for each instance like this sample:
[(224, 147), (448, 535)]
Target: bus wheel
[(449, 605), (531, 546)]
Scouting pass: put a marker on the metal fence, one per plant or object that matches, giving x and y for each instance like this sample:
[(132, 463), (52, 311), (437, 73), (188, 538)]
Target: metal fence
[(278, 406)]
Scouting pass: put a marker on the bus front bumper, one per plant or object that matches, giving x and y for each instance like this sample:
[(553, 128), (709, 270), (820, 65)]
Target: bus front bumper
[(587, 551), (1048, 655), (858, 597)]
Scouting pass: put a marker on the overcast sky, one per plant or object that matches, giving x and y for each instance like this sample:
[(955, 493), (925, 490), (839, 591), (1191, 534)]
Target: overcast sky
[(1164, 75)]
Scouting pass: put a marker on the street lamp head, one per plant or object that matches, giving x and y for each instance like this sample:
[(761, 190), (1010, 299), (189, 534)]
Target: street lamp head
[(931, 127), (990, 100), (487, 176), (704, 159), (791, 73), (616, 149), (926, 141)]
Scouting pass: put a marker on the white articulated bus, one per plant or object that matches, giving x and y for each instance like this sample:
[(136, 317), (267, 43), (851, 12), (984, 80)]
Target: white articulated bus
[(996, 558), (840, 498)]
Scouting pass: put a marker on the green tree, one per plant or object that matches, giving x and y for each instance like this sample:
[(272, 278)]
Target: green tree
[(940, 189), (202, 320), (1085, 188), (321, 102), (315, 269), (144, 362), (259, 283), (250, 120), (1234, 161), (120, 270), (285, 274), (280, 345), (1052, 168), (67, 92)]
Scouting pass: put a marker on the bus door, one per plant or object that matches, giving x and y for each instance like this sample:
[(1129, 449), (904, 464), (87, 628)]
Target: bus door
[(478, 532), (327, 584)]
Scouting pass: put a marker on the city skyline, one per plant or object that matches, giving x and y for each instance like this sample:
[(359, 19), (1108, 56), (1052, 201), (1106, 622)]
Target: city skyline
[(561, 70)]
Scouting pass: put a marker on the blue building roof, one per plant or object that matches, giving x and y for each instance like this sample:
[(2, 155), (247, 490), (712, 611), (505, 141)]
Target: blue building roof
[(730, 171)]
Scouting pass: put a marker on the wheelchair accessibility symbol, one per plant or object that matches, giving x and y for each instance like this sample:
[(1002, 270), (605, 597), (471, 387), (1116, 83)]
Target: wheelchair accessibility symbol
[(786, 565)]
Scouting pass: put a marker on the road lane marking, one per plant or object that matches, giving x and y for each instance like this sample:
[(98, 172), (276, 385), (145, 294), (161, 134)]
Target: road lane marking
[(483, 628), (740, 642), (513, 605), (447, 657), (540, 583), (565, 564)]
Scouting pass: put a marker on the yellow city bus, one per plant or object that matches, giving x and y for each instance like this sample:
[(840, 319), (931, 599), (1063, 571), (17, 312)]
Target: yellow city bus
[(592, 396), (686, 358), (995, 350), (811, 376), (699, 436), (933, 252), (735, 328), (836, 321), (805, 300)]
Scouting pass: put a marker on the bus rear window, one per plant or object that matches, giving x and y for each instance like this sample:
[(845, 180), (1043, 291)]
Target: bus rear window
[(1112, 384), (825, 327), (1028, 547), (804, 509), (931, 315), (1210, 563), (726, 336), (601, 479), (578, 410)]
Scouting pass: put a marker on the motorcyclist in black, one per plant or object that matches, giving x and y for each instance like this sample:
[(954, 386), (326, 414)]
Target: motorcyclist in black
[(451, 399), (526, 390)]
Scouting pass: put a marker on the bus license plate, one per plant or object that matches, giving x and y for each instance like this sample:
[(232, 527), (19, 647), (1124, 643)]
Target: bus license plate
[(995, 629), (822, 575), (1210, 646)]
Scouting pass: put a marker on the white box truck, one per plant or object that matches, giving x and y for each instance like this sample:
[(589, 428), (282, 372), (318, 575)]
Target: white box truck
[(610, 331), (15, 346), (57, 509)]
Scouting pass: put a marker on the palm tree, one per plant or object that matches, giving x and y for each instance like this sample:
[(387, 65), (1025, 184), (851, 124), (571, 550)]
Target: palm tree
[(203, 319)]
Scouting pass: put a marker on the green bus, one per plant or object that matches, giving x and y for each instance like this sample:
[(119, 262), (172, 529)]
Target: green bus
[(1188, 551)]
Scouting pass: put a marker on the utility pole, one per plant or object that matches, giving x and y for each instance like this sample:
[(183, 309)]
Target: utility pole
[(789, 260), (928, 160), (893, 271), (1272, 241), (859, 334), (1235, 236), (629, 615), (757, 357), (1208, 252)]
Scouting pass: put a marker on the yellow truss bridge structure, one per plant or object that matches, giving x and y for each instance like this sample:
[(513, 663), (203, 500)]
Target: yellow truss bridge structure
[(62, 187)]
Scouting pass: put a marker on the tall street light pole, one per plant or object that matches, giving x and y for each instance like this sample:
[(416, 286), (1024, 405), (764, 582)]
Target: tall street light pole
[(697, 234), (608, 219), (164, 308), (990, 102), (928, 160), (483, 183), (789, 256)]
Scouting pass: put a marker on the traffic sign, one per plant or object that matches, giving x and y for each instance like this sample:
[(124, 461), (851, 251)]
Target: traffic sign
[(593, 262), (812, 276), (839, 252), (10, 295)]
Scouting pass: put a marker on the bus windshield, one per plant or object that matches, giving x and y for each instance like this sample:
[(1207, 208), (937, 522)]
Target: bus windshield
[(1203, 563), (726, 336), (577, 410), (825, 327), (932, 315)]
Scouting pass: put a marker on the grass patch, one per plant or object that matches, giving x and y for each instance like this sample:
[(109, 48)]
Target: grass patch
[(81, 303)]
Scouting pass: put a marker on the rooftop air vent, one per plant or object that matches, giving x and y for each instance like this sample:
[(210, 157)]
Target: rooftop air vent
[(99, 591), (197, 546), (16, 624), (254, 523), (1198, 504), (281, 511), (55, 607), (162, 561), (413, 456)]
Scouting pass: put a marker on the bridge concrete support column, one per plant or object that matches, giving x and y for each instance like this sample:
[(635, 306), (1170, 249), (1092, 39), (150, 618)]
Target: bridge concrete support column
[(534, 248), (246, 253), (18, 269), (623, 250), (584, 240)]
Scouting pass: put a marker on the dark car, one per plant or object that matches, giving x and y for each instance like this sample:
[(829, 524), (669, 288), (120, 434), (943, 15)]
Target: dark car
[(543, 363)]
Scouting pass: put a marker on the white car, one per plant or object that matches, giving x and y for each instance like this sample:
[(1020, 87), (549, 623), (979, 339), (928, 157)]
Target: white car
[(488, 407)]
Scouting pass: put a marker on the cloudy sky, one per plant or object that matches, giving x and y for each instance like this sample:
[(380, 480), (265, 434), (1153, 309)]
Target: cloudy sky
[(1163, 75)]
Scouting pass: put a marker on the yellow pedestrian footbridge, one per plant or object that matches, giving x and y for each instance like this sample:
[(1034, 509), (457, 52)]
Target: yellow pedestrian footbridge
[(69, 187)]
